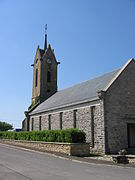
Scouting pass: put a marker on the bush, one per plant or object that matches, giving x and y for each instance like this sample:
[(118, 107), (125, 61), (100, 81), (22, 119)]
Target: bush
[(67, 135), (5, 126)]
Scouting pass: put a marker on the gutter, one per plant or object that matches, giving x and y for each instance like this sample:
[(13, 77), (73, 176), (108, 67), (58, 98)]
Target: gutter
[(64, 106)]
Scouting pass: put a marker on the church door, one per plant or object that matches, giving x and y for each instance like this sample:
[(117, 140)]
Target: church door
[(131, 135)]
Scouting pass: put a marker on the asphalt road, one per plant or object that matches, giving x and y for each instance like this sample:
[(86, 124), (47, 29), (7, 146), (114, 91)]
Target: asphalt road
[(18, 164)]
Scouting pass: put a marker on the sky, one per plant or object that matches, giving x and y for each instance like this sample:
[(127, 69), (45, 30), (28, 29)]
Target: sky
[(89, 37)]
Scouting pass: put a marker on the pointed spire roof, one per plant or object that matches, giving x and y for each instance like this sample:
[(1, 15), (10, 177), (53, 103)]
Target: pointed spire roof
[(45, 45)]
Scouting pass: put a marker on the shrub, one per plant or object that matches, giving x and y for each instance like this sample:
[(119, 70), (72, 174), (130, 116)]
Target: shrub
[(67, 135), (5, 126)]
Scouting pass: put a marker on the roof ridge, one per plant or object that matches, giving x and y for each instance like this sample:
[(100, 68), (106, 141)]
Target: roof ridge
[(118, 73), (96, 77)]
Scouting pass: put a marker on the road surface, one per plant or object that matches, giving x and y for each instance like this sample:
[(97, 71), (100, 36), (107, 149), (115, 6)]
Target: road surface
[(19, 164)]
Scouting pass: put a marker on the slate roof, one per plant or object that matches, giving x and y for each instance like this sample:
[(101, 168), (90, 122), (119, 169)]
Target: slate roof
[(83, 91)]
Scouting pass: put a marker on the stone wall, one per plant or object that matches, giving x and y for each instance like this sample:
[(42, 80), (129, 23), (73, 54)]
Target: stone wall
[(36, 66), (83, 122), (119, 109), (67, 120), (44, 122), (47, 89), (36, 123), (99, 130), (24, 125), (55, 121), (75, 149)]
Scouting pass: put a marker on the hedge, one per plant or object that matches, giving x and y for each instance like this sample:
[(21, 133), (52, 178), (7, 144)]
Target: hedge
[(67, 135)]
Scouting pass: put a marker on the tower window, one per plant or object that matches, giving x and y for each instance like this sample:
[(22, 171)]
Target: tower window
[(36, 80), (48, 76)]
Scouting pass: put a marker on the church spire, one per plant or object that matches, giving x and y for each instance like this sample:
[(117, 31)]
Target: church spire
[(45, 45)]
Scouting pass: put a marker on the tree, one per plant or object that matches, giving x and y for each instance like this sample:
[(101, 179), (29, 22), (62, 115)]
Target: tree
[(5, 126)]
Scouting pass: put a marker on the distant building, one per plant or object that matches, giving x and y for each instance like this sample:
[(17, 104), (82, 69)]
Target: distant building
[(104, 107)]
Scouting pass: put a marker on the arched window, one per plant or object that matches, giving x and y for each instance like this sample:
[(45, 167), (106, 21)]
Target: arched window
[(36, 80), (48, 76)]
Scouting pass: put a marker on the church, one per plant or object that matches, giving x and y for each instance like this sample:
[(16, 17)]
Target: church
[(103, 107)]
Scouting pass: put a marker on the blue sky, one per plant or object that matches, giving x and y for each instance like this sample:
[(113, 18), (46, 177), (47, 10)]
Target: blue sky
[(90, 38)]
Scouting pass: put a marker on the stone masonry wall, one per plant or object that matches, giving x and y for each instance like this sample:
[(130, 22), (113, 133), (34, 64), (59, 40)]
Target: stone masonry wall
[(119, 109), (74, 149), (83, 121), (48, 88), (36, 123), (36, 89), (99, 131), (67, 119), (44, 122), (55, 121)]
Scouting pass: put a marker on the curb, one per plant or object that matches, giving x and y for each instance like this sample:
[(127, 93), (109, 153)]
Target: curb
[(72, 158)]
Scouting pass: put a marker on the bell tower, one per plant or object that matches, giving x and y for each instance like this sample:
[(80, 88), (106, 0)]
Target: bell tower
[(44, 74)]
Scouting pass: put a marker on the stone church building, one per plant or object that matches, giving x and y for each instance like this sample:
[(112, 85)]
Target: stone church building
[(103, 107)]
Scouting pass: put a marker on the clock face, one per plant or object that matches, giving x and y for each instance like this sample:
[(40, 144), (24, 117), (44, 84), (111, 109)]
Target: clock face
[(49, 61)]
